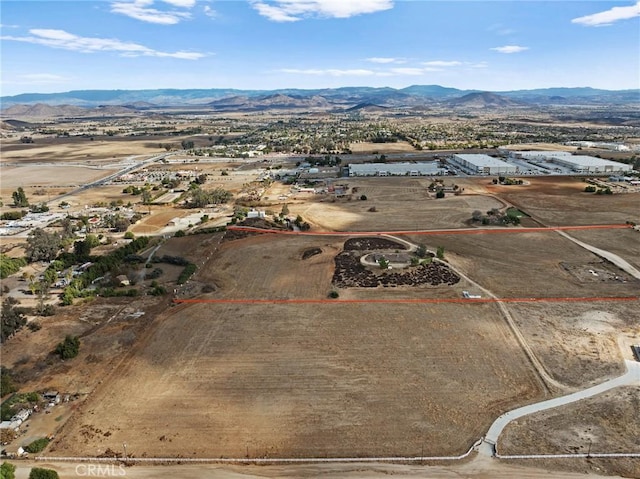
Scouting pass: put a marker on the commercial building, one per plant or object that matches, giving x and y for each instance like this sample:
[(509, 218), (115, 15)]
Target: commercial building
[(396, 169), (482, 165), (576, 163), (589, 164)]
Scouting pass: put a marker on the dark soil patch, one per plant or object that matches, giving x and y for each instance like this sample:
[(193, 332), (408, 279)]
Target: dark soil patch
[(367, 244), (308, 253), (350, 273)]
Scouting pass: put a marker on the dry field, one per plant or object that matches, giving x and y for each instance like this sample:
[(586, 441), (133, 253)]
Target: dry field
[(400, 205), (579, 344), (562, 201), (609, 422), (303, 380), (375, 148), (523, 265), (80, 148)]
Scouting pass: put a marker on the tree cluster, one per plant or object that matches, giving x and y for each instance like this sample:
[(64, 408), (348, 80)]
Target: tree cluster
[(42, 246), (20, 198), (199, 198)]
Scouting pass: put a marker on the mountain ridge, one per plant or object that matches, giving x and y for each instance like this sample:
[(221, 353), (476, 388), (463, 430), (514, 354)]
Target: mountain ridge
[(347, 96)]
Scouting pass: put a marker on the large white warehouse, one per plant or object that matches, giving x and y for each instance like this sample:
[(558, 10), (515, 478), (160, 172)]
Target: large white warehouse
[(577, 163), (395, 169), (589, 164), (483, 164)]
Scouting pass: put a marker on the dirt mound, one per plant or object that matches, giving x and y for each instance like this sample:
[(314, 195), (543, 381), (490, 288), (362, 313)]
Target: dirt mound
[(367, 244), (308, 253), (350, 273)]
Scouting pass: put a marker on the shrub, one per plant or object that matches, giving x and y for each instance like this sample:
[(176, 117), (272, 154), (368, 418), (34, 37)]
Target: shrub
[(7, 470), (34, 326), (69, 348), (440, 194), (37, 445), (363, 197), (187, 272), (41, 473), (590, 189), (179, 234), (129, 235), (334, 294)]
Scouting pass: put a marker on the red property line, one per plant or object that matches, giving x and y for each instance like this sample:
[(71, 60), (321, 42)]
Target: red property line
[(405, 301), (429, 232)]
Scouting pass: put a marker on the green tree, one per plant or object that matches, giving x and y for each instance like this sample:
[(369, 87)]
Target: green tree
[(7, 384), (69, 348), (41, 473), (285, 210), (20, 198), (384, 263), (12, 318), (37, 445), (440, 193), (421, 252), (7, 471), (42, 246), (440, 252)]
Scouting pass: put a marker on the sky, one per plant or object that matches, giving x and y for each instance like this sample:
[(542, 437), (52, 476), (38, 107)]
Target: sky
[(54, 46)]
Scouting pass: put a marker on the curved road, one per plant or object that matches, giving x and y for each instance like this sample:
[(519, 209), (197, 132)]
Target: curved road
[(630, 378)]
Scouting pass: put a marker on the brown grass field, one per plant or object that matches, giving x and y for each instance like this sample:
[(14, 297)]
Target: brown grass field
[(341, 379), (582, 427), (280, 381)]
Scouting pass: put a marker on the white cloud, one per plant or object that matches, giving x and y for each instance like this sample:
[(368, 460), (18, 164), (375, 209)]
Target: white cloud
[(384, 60), (510, 49), (408, 71), (69, 41), (294, 10), (330, 71), (209, 12), (181, 3), (608, 17), (441, 63), (139, 10)]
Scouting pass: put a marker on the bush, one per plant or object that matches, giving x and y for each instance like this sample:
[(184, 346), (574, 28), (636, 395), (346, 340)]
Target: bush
[(179, 234), (440, 194), (48, 310), (187, 272), (7, 470), (363, 197), (37, 445), (590, 189), (34, 326), (334, 294), (129, 235), (69, 348), (9, 266), (41, 473)]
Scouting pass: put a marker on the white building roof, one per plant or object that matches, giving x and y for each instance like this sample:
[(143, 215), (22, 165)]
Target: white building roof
[(584, 160), (429, 167), (482, 161)]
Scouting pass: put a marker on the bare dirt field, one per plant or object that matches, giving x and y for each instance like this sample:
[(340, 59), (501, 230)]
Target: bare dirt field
[(609, 422), (523, 265), (79, 148), (46, 176), (625, 242), (562, 201), (399, 205), (303, 380), (578, 343), (375, 148)]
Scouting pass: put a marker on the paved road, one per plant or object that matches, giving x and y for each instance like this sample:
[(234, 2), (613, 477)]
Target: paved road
[(631, 377)]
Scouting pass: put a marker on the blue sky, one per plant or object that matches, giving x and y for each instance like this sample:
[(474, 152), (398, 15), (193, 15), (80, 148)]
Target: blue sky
[(53, 46)]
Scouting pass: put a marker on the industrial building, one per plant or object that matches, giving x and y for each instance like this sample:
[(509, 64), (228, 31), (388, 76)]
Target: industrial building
[(576, 163), (482, 165), (589, 164), (396, 169)]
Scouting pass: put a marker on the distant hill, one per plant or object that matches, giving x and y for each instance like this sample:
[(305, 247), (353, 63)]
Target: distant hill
[(368, 107), (227, 99), (484, 100)]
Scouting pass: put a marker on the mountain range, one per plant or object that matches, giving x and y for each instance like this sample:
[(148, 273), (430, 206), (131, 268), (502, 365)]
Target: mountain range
[(111, 102)]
